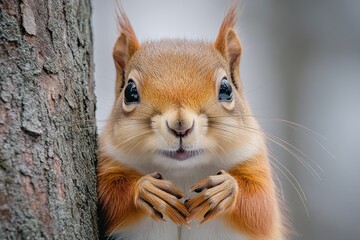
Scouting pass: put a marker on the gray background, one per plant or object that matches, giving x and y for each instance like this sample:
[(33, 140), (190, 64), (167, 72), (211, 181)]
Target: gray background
[(301, 63)]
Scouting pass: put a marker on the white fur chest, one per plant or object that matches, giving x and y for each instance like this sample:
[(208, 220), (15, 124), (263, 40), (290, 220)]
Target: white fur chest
[(148, 229)]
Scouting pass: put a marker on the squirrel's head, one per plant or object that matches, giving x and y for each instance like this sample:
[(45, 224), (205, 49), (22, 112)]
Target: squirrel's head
[(179, 103)]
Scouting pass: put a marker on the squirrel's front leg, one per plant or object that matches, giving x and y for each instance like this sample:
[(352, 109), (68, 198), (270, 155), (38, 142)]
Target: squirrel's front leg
[(126, 196), (244, 197), (217, 194), (156, 197)]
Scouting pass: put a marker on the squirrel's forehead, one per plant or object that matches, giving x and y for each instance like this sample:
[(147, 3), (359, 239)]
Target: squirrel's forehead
[(173, 52), (177, 76), (183, 61)]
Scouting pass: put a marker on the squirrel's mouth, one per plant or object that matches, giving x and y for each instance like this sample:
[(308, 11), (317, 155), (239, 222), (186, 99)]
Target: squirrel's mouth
[(181, 154)]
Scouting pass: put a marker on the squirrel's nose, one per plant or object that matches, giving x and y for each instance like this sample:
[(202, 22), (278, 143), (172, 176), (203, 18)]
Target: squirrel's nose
[(179, 130)]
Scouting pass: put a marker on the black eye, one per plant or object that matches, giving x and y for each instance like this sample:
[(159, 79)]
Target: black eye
[(225, 92), (131, 93)]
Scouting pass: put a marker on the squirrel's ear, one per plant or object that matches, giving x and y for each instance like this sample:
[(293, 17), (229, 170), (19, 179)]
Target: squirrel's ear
[(125, 47), (228, 43)]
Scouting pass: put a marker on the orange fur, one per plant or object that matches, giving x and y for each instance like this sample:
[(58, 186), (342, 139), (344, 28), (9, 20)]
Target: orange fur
[(229, 45), (125, 47), (227, 25), (254, 211), (116, 189)]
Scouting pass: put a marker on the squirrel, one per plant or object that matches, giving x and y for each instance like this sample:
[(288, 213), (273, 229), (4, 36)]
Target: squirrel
[(181, 156)]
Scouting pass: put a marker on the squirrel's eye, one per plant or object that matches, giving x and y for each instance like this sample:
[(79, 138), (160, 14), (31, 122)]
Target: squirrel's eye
[(225, 91), (131, 93)]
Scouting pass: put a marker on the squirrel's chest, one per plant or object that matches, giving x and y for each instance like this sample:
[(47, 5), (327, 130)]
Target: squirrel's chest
[(151, 230), (148, 229)]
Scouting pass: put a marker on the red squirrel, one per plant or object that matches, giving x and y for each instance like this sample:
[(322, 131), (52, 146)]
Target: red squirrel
[(181, 156)]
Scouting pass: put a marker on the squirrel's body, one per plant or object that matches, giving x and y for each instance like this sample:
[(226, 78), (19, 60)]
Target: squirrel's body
[(180, 112)]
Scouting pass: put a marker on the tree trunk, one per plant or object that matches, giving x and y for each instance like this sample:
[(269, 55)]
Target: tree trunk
[(47, 121)]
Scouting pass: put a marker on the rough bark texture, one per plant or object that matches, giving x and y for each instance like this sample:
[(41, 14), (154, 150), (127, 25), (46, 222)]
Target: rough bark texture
[(47, 121)]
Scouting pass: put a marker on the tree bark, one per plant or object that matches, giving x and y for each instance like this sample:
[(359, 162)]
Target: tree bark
[(47, 121)]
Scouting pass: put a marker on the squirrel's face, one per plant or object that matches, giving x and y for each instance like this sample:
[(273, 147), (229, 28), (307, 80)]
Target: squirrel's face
[(179, 104)]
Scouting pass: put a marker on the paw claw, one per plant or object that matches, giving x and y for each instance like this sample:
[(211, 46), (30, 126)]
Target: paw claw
[(159, 213), (157, 175)]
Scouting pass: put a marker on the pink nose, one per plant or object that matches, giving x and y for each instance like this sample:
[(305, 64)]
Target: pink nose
[(178, 130)]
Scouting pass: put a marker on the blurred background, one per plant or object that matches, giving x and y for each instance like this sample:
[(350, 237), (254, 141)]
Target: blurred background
[(301, 64)]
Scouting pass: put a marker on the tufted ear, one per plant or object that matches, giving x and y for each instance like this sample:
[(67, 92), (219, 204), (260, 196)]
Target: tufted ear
[(229, 45), (125, 47)]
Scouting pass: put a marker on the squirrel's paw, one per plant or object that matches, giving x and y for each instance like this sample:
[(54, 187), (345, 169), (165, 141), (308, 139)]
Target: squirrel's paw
[(220, 194), (158, 197)]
